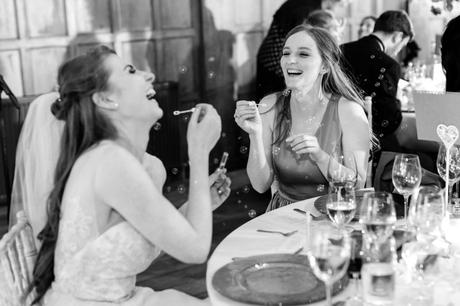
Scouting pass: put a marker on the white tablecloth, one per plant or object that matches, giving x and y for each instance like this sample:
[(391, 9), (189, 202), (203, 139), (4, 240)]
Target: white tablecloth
[(246, 241)]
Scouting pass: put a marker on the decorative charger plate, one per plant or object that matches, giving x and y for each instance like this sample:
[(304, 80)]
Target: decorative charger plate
[(320, 203), (272, 279)]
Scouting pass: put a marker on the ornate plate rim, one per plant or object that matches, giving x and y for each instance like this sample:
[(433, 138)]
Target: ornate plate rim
[(223, 281)]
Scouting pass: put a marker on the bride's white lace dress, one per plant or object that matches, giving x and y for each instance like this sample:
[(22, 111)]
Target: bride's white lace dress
[(100, 268)]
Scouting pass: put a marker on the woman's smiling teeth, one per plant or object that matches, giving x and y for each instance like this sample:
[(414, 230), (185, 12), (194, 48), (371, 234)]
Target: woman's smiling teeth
[(294, 72), (150, 94)]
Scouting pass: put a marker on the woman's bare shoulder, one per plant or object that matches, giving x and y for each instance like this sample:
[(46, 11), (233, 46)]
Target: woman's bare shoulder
[(267, 104)]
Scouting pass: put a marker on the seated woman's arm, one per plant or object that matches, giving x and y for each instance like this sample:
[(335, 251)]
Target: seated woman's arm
[(355, 136), (259, 126)]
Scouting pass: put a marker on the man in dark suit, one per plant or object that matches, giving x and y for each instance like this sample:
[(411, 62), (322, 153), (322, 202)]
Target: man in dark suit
[(369, 62)]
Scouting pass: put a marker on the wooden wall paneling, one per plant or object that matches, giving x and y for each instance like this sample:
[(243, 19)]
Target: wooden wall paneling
[(44, 63), (247, 13), (50, 21), (247, 45), (176, 14), (141, 54), (8, 21), (91, 16), (179, 64), (134, 15), (10, 68)]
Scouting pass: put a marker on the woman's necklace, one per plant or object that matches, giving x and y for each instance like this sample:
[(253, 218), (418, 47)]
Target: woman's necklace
[(308, 115)]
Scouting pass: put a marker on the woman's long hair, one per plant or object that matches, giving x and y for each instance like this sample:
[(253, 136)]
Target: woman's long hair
[(85, 125), (334, 81)]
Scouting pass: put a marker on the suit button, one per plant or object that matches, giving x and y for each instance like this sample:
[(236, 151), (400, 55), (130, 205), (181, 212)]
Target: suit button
[(372, 56), (382, 70)]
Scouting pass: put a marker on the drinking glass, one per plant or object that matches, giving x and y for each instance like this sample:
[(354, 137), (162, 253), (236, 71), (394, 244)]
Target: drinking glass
[(341, 207), (377, 216), (406, 177), (454, 166), (427, 212), (328, 253), (341, 173)]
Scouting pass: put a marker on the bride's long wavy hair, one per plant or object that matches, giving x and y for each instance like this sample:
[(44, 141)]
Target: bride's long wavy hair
[(85, 125)]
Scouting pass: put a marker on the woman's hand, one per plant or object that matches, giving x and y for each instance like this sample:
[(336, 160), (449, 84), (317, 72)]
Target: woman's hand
[(203, 130), (303, 143), (247, 117), (219, 184)]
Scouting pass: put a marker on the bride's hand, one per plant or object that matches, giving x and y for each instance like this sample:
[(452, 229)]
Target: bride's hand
[(219, 185), (303, 143)]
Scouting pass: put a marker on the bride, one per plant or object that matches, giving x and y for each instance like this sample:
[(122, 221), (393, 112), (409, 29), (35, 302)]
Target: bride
[(107, 219)]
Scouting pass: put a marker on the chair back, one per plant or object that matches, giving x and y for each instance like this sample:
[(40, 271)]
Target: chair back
[(17, 260), (368, 108)]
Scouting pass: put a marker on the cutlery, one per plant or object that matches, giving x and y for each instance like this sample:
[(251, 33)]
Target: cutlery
[(303, 212), (285, 234), (295, 253)]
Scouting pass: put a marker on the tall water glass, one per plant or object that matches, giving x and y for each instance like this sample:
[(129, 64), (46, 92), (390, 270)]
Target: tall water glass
[(406, 177), (329, 254), (377, 216), (454, 166)]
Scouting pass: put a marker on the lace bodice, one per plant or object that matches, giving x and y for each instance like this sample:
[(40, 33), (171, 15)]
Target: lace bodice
[(93, 265)]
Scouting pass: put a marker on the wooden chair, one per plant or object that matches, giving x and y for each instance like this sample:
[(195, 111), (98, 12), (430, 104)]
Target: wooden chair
[(368, 108), (17, 260)]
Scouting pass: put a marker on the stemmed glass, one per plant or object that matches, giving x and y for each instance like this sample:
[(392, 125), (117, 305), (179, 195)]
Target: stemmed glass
[(328, 253), (342, 177), (378, 216), (406, 177), (454, 166)]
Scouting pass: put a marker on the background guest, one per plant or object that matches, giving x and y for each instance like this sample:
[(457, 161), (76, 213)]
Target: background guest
[(326, 19), (369, 61), (366, 26), (450, 54)]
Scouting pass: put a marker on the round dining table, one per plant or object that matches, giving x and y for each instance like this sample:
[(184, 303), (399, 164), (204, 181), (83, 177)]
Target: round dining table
[(248, 241)]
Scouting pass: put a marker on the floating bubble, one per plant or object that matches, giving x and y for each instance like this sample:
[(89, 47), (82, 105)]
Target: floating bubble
[(243, 149), (181, 188), (185, 118), (320, 188), (246, 188), (174, 171), (157, 126), (252, 213), (385, 123), (239, 202)]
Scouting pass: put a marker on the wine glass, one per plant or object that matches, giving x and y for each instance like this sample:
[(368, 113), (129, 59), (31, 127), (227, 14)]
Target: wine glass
[(454, 166), (328, 253), (406, 177), (377, 216), (342, 173), (341, 207)]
